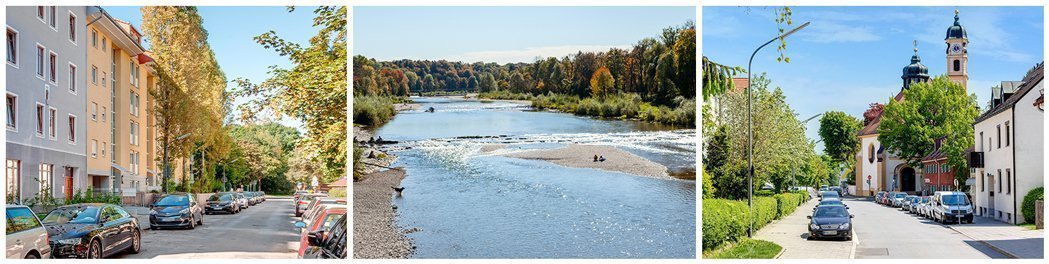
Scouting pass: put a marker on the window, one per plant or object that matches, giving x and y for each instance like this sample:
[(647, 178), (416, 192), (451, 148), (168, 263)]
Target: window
[(40, 12), (1008, 181), (72, 129), (45, 179), (134, 133), (981, 141), (94, 74), (52, 13), (999, 180), (134, 103), (12, 115), (94, 111), (104, 47), (870, 153), (982, 184), (40, 61), (12, 46), (133, 72), (94, 38), (72, 27), (72, 78), (39, 119), (103, 114), (999, 136), (94, 148), (53, 70), (52, 122), (103, 79), (1007, 132), (957, 65), (103, 148), (14, 178)]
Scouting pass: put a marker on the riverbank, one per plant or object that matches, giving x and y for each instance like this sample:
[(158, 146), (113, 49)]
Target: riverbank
[(626, 106), (375, 232), (372, 158), (582, 156)]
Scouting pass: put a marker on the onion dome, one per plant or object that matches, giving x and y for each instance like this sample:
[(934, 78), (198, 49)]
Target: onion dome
[(915, 72), (956, 31)]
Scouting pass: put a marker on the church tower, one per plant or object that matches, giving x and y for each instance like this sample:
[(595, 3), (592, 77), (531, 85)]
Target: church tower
[(914, 72), (957, 53)]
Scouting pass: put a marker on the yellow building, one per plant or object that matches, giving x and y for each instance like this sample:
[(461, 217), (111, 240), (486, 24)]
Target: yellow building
[(120, 134)]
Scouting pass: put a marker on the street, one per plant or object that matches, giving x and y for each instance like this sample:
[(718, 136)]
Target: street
[(880, 232), (265, 230)]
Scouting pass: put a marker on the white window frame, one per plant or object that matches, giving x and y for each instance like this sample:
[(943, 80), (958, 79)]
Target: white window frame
[(104, 149), (103, 78), (52, 69), (72, 127), (94, 38), (41, 61), (94, 75), (12, 127), (103, 114), (133, 129), (94, 148), (52, 128), (18, 42), (72, 77), (72, 29), (41, 17), (94, 111), (50, 182), (53, 12), (134, 103), (41, 120)]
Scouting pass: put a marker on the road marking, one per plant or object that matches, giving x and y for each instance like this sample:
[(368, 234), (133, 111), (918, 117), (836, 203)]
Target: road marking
[(855, 243)]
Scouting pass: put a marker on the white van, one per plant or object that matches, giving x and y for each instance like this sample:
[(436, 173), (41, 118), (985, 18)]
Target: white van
[(951, 207), (26, 236)]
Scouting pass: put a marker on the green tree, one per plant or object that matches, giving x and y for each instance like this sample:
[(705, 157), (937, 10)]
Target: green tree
[(929, 111), (838, 131)]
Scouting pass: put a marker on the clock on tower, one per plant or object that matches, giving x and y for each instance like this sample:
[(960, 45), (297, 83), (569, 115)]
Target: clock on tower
[(957, 53)]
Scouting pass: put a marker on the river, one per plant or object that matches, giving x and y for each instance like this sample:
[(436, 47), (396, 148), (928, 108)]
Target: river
[(461, 203)]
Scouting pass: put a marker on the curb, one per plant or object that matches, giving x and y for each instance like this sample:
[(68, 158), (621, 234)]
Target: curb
[(995, 248), (781, 250)]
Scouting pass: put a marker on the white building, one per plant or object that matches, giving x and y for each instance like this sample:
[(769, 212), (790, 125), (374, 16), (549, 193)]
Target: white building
[(1008, 153)]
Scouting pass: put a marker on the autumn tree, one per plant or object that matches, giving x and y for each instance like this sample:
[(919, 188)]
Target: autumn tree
[(602, 82)]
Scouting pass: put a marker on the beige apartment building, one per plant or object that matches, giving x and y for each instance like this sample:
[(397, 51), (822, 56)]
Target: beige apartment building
[(120, 143)]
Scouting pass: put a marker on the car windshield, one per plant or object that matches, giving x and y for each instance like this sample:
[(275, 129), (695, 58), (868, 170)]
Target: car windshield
[(73, 215), (830, 202), (925, 199), (830, 194), (173, 200), (955, 199), (901, 195), (219, 197), (831, 212)]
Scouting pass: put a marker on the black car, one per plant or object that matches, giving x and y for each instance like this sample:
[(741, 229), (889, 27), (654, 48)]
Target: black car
[(222, 202), (176, 210), (92, 231), (829, 194), (830, 221), (327, 244), (830, 201)]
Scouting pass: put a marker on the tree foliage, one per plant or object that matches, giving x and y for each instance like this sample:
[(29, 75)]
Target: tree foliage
[(929, 111), (313, 90), (838, 131)]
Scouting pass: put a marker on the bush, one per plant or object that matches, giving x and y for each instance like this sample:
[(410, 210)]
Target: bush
[(370, 110), (1027, 207), (748, 249), (786, 203), (763, 193), (504, 95), (765, 209), (724, 221)]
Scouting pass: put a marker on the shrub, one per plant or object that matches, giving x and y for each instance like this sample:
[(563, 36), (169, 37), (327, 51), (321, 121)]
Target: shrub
[(724, 221), (1027, 207), (765, 209), (370, 110), (763, 193), (748, 249), (786, 203)]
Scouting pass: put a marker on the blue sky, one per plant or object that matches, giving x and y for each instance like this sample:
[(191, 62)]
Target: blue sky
[(231, 31), (504, 34), (850, 57)]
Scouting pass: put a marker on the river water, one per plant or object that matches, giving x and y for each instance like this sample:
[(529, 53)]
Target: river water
[(462, 203)]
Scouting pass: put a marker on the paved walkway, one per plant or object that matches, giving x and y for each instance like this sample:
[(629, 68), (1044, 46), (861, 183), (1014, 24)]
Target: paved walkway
[(791, 233), (1013, 241)]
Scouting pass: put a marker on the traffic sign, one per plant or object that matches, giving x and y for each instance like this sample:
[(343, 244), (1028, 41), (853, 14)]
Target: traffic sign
[(868, 177)]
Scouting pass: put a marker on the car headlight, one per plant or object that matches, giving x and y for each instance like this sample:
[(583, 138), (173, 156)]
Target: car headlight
[(68, 241), (184, 211), (814, 226), (844, 226)]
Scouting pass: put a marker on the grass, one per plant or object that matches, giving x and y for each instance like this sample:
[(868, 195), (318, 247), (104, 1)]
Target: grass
[(746, 249), (1028, 226)]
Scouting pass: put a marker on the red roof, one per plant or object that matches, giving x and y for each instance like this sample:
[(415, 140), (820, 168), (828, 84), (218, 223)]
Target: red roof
[(341, 182)]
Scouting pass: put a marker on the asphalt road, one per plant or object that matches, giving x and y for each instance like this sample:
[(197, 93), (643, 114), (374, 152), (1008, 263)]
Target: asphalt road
[(888, 232), (265, 230)]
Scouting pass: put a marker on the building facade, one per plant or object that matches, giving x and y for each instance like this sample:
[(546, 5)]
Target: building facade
[(1009, 149), (45, 90)]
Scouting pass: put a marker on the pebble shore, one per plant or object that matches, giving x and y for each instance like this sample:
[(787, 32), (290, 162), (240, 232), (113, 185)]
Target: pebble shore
[(375, 232)]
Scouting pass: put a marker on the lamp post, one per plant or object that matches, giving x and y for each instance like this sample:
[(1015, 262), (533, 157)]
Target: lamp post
[(167, 167), (750, 127), (224, 170)]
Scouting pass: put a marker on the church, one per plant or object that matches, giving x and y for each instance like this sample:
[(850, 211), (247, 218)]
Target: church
[(877, 169)]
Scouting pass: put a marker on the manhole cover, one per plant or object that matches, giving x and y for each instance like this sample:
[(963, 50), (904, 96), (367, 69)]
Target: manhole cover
[(872, 251)]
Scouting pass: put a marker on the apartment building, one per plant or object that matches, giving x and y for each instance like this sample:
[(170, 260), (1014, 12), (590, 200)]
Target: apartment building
[(46, 134), (119, 143)]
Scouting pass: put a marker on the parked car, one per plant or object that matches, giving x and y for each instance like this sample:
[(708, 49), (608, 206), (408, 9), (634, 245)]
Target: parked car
[(925, 206), (325, 218), (829, 195), (222, 202), (897, 199), (830, 222), (878, 196), (905, 205), (316, 204), (26, 235), (93, 230), (304, 201), (263, 195), (242, 200), (297, 195), (830, 201), (327, 244), (838, 190), (951, 206), (176, 210), (916, 205)]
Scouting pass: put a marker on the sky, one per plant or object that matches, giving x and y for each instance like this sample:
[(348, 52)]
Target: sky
[(504, 34), (850, 57), (230, 33)]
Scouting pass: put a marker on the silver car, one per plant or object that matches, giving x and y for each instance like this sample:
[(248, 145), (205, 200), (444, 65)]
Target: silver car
[(26, 236)]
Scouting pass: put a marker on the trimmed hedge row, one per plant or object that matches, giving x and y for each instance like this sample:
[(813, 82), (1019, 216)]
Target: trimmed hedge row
[(1027, 207), (726, 221)]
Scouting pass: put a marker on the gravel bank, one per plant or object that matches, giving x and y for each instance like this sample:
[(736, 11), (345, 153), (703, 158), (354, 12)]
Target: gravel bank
[(375, 234), (582, 156)]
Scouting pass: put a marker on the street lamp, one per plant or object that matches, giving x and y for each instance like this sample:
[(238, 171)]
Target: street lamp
[(167, 167), (750, 127)]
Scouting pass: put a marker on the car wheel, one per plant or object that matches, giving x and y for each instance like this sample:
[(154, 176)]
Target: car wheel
[(848, 238), (95, 250), (31, 256), (136, 242)]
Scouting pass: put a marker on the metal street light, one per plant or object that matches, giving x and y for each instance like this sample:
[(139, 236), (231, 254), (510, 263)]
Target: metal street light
[(167, 167), (750, 127)]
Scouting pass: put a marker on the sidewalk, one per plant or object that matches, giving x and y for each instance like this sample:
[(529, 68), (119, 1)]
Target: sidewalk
[(1010, 240), (791, 233), (140, 212)]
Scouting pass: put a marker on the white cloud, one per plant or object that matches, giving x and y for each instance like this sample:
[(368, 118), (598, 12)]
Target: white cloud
[(528, 54), (829, 32)]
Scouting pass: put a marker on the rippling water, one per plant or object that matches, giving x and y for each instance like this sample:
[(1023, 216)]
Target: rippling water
[(472, 204)]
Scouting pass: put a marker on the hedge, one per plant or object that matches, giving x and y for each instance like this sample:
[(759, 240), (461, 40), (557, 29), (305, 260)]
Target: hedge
[(726, 221), (765, 209), (786, 203), (1027, 207)]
